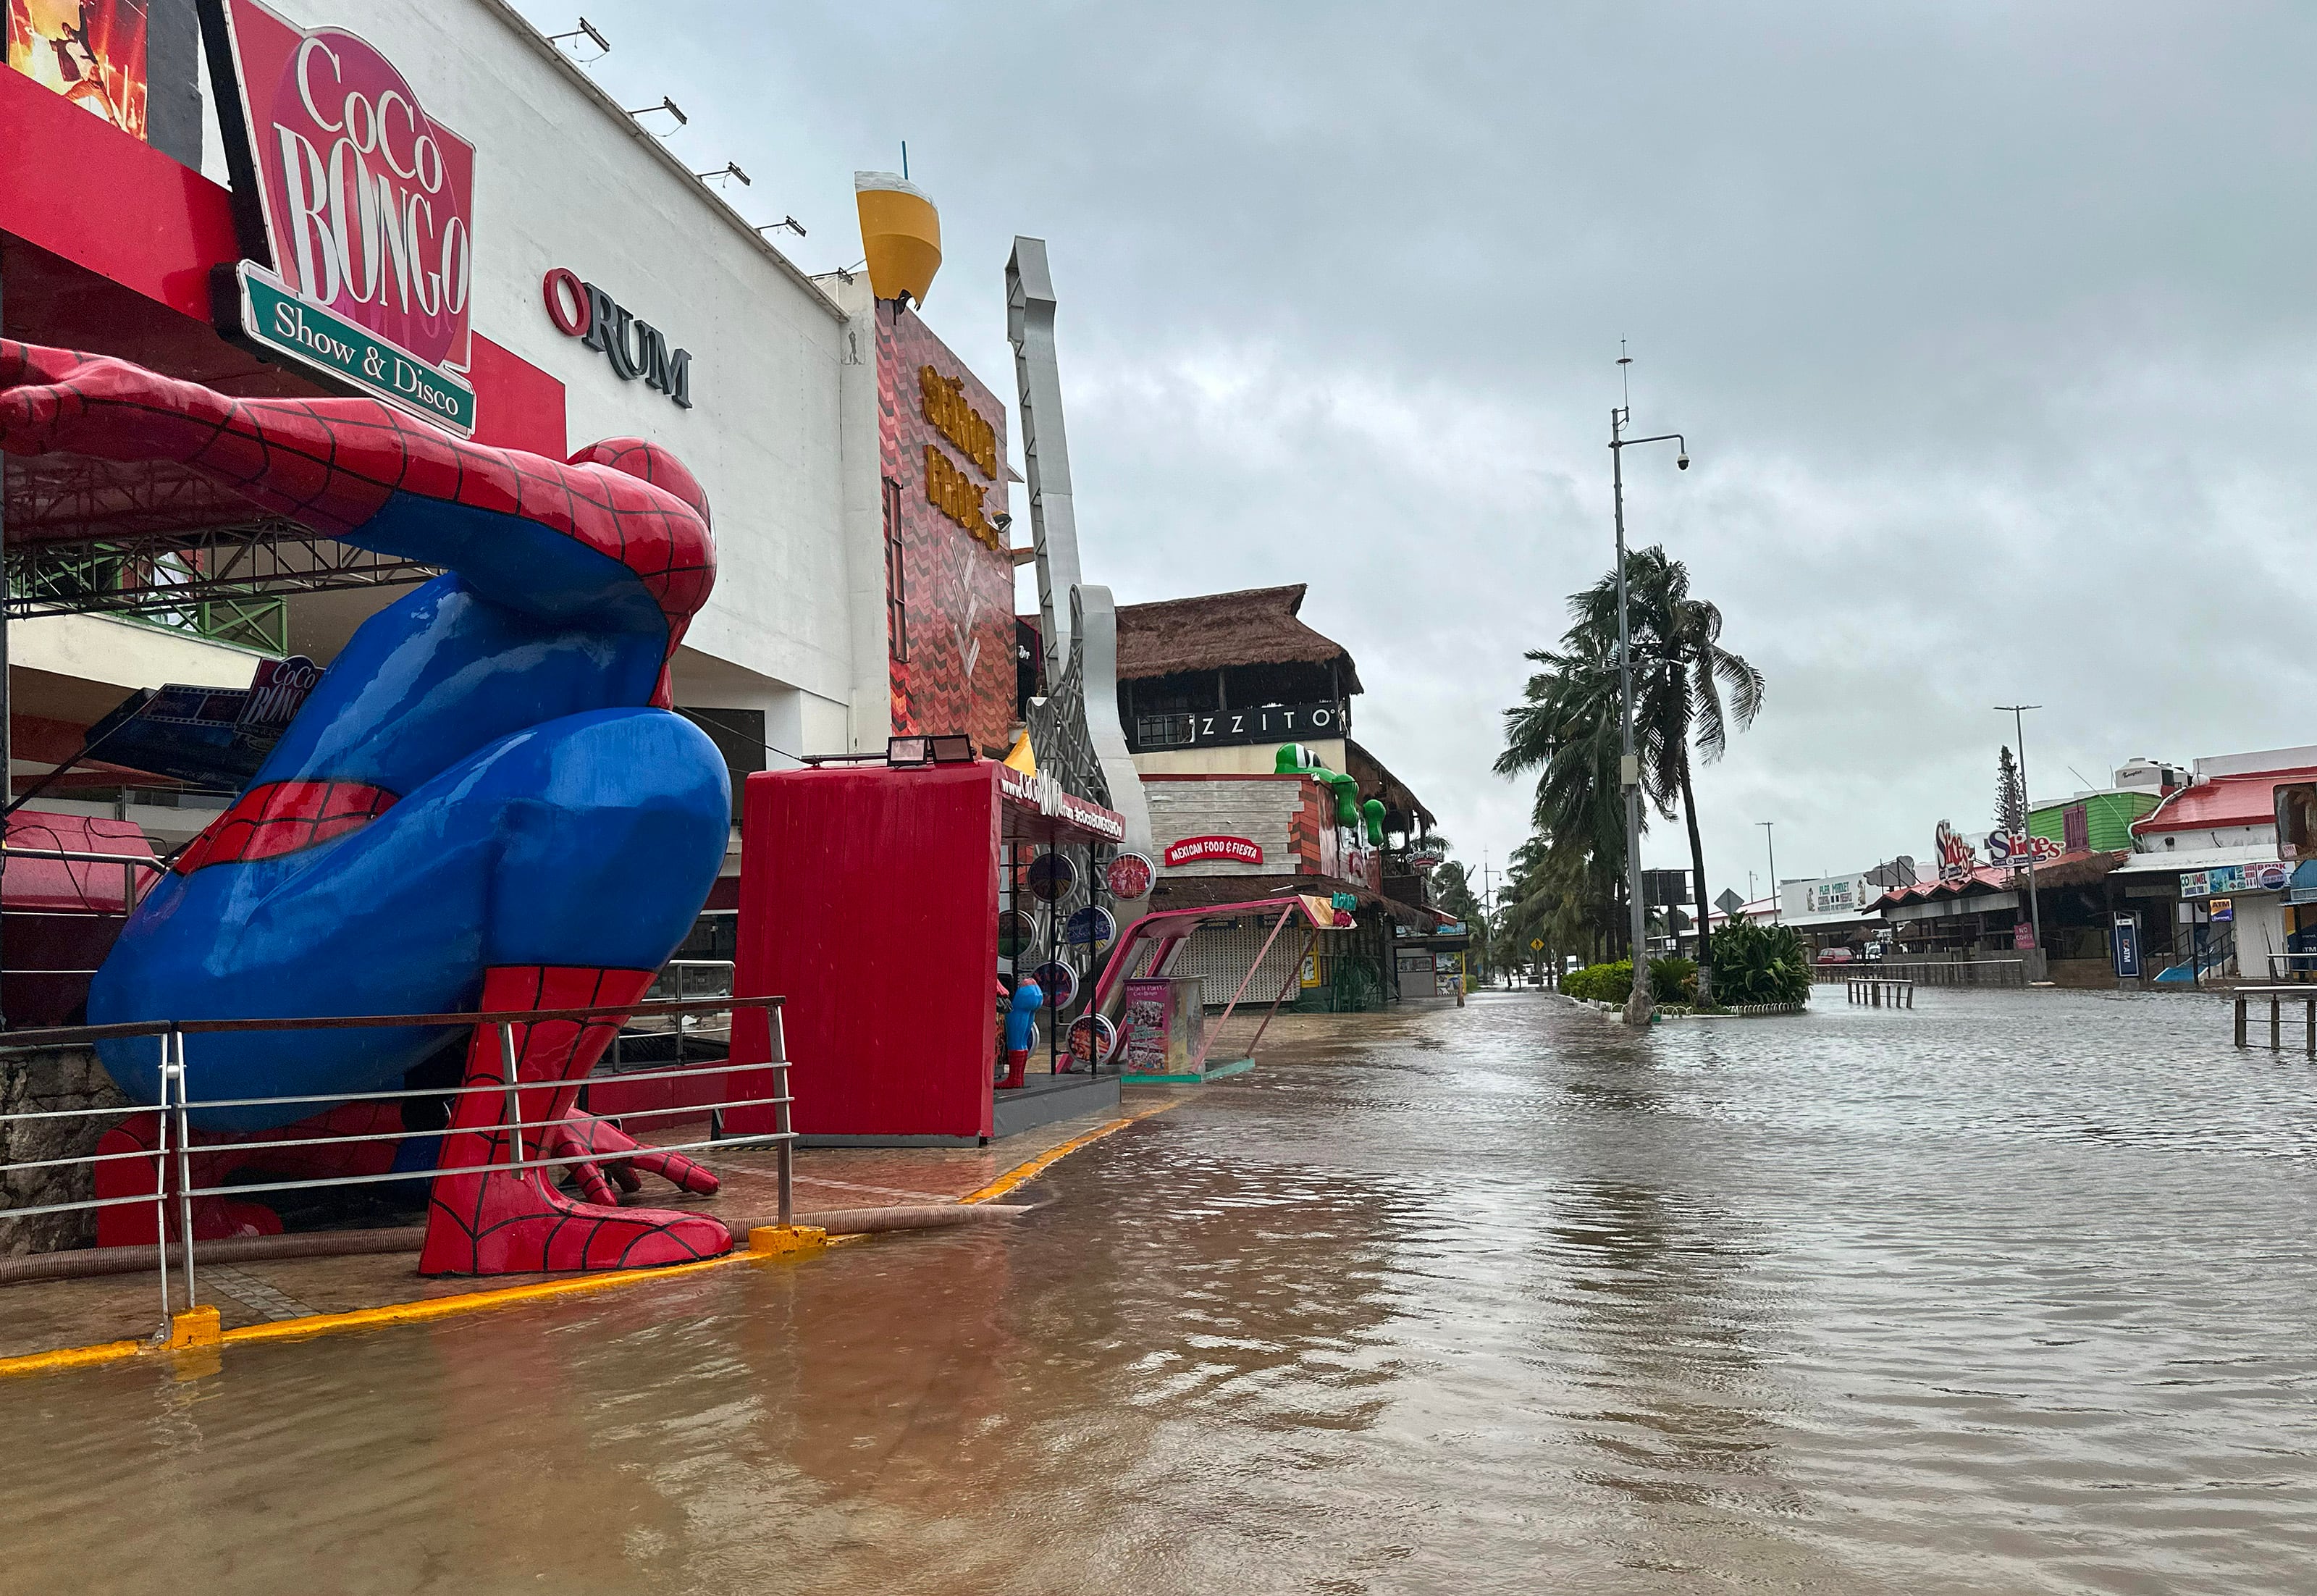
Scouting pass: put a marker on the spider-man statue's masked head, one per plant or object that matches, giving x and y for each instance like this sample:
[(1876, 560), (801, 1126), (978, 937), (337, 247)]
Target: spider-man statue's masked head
[(653, 463)]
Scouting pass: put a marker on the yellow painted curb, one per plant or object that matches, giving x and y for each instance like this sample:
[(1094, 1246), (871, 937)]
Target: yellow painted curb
[(198, 1327), (195, 1327), (1039, 1165), (475, 1302), (41, 1363), (792, 1241)]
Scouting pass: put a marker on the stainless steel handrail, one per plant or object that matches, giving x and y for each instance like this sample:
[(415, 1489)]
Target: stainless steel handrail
[(174, 1141)]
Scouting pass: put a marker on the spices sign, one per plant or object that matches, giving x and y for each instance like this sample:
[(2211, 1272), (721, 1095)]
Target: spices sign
[(368, 209), (1239, 850)]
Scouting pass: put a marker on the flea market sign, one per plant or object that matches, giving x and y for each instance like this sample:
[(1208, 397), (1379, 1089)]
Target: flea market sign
[(367, 206)]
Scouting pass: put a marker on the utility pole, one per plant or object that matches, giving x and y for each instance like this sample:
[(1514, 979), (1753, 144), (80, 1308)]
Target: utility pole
[(2018, 713), (1488, 925), (1629, 765), (1770, 841)]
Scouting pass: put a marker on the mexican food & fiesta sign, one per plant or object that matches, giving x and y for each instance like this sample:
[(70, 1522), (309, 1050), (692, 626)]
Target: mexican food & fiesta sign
[(1241, 850), (368, 211)]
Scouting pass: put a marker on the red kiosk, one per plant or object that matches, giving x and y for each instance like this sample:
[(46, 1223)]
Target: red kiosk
[(870, 896)]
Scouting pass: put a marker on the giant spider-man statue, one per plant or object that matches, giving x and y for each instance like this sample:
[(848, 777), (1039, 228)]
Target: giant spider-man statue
[(484, 803)]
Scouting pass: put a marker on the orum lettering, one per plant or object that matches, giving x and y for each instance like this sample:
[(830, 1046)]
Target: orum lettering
[(635, 349)]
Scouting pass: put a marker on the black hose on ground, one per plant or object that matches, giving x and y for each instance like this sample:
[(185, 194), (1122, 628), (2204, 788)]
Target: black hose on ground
[(89, 1262)]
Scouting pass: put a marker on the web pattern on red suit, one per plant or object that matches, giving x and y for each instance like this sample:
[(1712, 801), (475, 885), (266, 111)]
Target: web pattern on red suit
[(283, 818), (485, 1217)]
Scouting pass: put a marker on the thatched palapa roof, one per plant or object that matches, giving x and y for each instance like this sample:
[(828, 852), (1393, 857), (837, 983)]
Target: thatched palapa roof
[(1253, 626)]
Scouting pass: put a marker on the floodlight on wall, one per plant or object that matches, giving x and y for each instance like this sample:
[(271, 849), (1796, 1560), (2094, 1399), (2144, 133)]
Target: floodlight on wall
[(789, 224), (587, 31), (729, 169), (910, 752), (667, 104)]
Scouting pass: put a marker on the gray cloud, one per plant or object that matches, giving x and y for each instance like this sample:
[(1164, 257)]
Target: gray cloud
[(1989, 327)]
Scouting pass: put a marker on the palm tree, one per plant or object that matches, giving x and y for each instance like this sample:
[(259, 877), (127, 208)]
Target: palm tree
[(1680, 673), (1567, 728)]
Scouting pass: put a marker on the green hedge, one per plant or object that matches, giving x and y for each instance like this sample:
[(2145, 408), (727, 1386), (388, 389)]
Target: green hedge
[(1671, 980)]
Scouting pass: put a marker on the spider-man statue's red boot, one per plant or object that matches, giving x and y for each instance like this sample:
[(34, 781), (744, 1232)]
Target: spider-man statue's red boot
[(486, 1218)]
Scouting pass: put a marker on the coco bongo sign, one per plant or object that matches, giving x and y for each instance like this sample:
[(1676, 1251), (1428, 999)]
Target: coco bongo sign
[(367, 210)]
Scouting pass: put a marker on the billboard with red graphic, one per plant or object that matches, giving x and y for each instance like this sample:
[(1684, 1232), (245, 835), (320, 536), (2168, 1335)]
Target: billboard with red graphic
[(89, 51)]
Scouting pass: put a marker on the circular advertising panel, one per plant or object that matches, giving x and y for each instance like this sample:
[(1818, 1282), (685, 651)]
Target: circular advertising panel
[(1092, 1039), (1051, 877), (1090, 925), (1019, 934), (1131, 875), (1058, 980)]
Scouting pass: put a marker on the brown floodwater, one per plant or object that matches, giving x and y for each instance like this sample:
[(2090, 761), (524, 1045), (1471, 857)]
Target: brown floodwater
[(2010, 1293)]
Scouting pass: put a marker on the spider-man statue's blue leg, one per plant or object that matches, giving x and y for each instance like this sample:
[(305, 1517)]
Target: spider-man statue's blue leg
[(583, 845)]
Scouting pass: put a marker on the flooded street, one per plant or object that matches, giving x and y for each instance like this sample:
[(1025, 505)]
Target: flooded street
[(2009, 1293)]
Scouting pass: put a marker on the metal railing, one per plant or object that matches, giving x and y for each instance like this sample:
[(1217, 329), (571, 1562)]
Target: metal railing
[(1875, 990), (130, 864), (2278, 997), (615, 1056), (173, 1151), (1975, 972)]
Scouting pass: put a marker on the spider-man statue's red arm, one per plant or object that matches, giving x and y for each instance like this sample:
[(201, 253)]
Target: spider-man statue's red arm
[(363, 472)]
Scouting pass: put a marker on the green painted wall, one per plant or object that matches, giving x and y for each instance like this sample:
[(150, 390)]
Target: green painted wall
[(2107, 817)]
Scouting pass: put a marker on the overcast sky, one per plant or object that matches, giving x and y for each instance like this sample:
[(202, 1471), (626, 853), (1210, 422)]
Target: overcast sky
[(1989, 327)]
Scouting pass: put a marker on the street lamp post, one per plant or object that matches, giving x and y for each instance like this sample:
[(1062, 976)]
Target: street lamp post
[(2019, 734), (1629, 763)]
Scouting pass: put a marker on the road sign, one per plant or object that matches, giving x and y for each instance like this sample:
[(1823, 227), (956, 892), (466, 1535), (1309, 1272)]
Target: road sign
[(1729, 902), (1536, 945)]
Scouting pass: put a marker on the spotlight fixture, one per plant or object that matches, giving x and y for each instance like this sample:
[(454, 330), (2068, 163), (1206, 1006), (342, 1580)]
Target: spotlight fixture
[(729, 169), (788, 223), (910, 752), (586, 30), (667, 104)]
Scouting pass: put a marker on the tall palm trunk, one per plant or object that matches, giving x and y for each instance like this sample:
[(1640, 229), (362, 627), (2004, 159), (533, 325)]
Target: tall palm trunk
[(1697, 873)]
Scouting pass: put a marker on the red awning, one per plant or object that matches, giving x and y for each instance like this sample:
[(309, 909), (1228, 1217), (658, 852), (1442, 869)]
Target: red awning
[(70, 886)]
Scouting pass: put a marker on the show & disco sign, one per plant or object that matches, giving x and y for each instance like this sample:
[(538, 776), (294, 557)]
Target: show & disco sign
[(365, 205)]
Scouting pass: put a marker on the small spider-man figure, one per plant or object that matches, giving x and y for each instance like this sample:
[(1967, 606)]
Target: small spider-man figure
[(485, 802)]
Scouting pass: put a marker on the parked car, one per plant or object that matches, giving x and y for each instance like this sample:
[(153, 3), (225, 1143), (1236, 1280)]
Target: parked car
[(1834, 955)]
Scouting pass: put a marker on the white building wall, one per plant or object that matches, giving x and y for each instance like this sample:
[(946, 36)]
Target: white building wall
[(563, 178), (860, 428), (1253, 759), (1262, 809), (2206, 837)]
